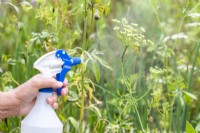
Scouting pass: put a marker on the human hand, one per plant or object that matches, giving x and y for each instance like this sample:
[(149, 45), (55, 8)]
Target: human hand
[(26, 93)]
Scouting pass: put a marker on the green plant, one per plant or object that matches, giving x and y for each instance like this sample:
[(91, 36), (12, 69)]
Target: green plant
[(131, 79)]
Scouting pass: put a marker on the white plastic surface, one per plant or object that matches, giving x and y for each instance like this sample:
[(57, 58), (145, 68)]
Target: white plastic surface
[(42, 118), (48, 64)]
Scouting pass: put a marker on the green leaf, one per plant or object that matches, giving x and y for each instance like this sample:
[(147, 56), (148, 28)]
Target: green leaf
[(103, 63), (88, 54), (38, 41), (89, 91), (151, 46), (72, 96), (181, 100), (157, 71), (95, 109), (198, 128), (12, 61), (96, 1), (96, 71), (189, 128), (190, 95), (26, 3), (15, 7), (74, 122)]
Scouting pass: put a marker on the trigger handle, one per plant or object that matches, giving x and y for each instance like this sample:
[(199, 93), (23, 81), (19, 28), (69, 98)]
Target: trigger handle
[(61, 77)]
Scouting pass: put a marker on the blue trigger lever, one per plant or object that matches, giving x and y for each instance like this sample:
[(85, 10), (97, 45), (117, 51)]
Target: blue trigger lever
[(68, 62)]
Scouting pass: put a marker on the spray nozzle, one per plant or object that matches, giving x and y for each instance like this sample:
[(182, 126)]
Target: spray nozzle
[(75, 61), (56, 63)]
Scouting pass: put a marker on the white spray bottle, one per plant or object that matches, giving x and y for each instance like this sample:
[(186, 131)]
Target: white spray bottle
[(42, 118)]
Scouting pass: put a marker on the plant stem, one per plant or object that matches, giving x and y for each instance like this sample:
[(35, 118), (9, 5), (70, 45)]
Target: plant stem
[(124, 53), (124, 78), (85, 27), (82, 80), (190, 82), (82, 104), (129, 88), (193, 65), (157, 17), (139, 118)]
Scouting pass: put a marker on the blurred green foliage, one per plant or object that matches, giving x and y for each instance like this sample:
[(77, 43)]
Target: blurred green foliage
[(140, 70)]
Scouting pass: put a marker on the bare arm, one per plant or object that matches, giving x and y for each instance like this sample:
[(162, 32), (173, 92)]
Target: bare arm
[(8, 104)]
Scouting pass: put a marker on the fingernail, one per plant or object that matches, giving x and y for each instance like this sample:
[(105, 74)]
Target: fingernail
[(60, 84)]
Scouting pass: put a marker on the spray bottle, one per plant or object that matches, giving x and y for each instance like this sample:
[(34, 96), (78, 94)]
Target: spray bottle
[(42, 118)]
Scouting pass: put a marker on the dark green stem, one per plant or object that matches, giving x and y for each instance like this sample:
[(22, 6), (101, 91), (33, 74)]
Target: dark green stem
[(85, 27), (82, 104), (193, 65), (124, 53), (139, 118)]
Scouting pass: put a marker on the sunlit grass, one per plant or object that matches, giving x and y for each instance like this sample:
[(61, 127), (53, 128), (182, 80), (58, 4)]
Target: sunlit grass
[(147, 80)]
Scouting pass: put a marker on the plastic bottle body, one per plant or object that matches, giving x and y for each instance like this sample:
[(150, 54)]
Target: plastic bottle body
[(42, 118)]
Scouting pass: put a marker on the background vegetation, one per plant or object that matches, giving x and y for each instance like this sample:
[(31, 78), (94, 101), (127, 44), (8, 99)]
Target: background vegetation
[(140, 70)]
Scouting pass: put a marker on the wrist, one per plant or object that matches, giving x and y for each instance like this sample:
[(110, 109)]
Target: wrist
[(9, 105), (16, 101), (1, 109)]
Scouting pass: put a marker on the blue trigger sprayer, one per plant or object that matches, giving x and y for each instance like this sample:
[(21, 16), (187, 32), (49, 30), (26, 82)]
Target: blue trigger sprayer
[(42, 118)]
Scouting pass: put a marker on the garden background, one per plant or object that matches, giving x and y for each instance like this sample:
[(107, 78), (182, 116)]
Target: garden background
[(140, 61)]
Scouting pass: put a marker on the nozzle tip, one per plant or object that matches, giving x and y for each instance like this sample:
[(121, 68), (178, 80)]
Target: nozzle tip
[(75, 61)]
